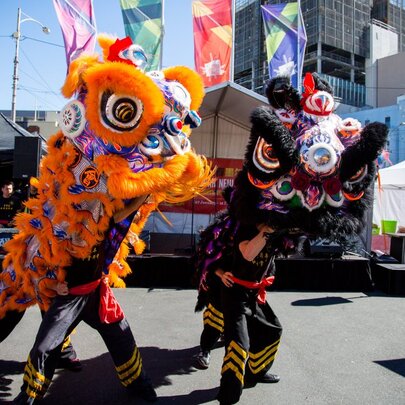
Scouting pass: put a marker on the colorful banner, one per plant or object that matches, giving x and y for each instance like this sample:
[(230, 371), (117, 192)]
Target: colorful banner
[(285, 40), (78, 25), (212, 23), (143, 24), (212, 201)]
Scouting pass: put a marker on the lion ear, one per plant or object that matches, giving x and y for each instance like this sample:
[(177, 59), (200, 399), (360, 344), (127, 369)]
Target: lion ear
[(74, 79), (191, 80), (105, 41)]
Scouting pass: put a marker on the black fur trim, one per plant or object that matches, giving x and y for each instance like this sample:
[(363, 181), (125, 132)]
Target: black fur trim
[(372, 141), (266, 125), (281, 94), (322, 84)]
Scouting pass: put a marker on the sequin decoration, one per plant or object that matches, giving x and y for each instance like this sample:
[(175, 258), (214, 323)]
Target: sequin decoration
[(72, 119)]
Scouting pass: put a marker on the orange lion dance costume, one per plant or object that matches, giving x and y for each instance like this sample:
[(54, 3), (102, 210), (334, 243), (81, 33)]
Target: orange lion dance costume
[(123, 148), (122, 137)]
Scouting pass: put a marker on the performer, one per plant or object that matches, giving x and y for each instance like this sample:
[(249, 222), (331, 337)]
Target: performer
[(68, 358), (121, 141), (85, 295), (213, 318), (10, 205), (307, 170), (252, 330), (214, 259)]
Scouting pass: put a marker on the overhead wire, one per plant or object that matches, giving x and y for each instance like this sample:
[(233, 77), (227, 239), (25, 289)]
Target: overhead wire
[(44, 101), (42, 83), (36, 90), (42, 41), (39, 74)]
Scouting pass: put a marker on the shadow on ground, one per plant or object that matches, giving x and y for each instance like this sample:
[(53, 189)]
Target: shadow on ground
[(9, 368), (318, 302), (395, 365), (98, 383)]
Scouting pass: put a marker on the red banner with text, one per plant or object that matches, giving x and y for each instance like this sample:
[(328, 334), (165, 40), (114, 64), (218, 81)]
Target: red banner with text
[(212, 201)]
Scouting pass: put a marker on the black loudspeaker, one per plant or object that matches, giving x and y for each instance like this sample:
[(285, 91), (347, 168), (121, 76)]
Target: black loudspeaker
[(322, 248), (27, 153)]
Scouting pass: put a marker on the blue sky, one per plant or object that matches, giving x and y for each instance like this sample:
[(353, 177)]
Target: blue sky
[(42, 64)]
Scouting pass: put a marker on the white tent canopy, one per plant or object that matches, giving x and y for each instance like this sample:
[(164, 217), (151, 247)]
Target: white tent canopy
[(389, 199), (394, 176)]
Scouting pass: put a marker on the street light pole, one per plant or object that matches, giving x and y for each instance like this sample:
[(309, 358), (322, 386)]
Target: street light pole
[(17, 36)]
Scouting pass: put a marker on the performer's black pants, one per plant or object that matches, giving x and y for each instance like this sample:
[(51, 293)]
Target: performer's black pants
[(65, 313), (12, 319), (252, 336), (213, 320)]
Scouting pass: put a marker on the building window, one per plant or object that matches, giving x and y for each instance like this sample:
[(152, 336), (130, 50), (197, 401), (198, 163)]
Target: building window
[(388, 122)]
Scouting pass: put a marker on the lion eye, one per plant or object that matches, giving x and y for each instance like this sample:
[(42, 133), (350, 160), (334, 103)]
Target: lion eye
[(264, 158), (151, 145), (359, 176), (120, 112)]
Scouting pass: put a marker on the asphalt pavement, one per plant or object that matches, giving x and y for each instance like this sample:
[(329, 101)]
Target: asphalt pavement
[(337, 348)]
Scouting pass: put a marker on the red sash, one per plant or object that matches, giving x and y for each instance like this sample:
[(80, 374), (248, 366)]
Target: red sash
[(254, 285), (84, 288), (109, 310)]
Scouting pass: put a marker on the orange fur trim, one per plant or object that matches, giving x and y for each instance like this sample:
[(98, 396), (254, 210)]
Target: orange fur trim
[(139, 247), (116, 281), (74, 79), (122, 79), (105, 41), (195, 180), (119, 268), (34, 181), (191, 80), (122, 182)]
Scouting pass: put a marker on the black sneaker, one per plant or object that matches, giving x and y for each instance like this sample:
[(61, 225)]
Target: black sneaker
[(268, 378), (142, 387), (221, 341), (203, 360), (23, 399)]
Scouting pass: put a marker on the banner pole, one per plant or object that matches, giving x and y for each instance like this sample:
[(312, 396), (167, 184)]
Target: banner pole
[(232, 72), (299, 70), (162, 35)]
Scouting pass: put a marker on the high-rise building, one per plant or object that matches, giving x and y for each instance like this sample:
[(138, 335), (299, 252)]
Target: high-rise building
[(337, 45), (250, 60), (391, 12)]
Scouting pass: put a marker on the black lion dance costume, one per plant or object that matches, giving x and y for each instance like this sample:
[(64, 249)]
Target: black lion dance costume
[(122, 149), (306, 172)]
